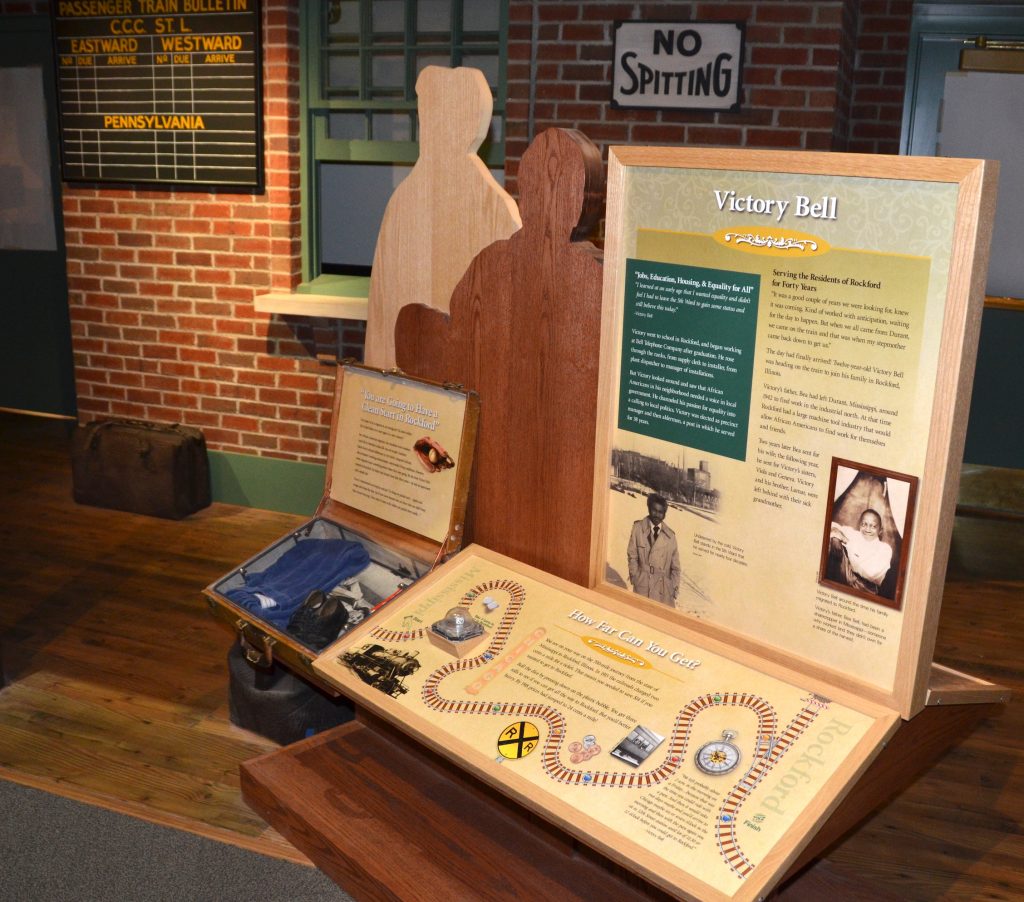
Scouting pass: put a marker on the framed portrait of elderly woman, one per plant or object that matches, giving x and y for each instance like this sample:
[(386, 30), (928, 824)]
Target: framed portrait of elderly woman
[(866, 539)]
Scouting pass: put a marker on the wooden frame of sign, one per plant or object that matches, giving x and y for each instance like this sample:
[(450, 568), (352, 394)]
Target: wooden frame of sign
[(767, 315)]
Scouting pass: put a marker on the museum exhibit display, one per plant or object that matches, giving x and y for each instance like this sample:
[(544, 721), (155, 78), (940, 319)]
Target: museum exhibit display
[(401, 451), (786, 347)]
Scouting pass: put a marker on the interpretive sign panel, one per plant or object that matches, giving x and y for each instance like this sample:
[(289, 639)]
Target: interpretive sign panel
[(789, 340), (160, 92), (694, 765), (396, 454)]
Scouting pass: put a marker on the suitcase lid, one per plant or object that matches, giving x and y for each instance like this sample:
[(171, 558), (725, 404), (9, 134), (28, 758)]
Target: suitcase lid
[(400, 457)]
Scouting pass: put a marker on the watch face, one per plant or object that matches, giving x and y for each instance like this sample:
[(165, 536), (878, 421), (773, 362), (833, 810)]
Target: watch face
[(718, 756)]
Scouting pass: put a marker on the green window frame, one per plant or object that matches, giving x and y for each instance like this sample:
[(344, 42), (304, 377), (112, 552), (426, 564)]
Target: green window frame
[(359, 63)]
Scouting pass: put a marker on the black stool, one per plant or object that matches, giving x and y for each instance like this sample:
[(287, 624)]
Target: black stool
[(279, 704)]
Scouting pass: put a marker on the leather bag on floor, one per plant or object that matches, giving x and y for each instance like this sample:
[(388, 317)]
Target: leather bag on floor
[(146, 468)]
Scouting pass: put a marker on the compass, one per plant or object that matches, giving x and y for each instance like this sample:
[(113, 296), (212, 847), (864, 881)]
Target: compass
[(718, 756)]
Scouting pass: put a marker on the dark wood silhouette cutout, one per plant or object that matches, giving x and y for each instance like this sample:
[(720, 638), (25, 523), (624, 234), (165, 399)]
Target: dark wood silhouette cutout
[(524, 331), (446, 210)]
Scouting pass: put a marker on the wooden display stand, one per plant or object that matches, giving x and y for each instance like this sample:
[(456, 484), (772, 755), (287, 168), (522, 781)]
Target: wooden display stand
[(363, 797)]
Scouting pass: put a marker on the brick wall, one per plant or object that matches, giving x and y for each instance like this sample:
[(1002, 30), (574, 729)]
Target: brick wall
[(161, 288), (882, 43), (803, 85), (162, 283)]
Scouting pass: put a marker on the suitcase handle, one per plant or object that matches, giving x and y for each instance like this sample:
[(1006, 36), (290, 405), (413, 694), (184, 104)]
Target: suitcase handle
[(143, 424)]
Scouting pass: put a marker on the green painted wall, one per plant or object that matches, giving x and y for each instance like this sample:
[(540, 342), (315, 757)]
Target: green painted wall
[(266, 482)]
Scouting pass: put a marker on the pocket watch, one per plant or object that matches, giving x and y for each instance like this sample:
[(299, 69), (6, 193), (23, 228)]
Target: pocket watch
[(718, 756)]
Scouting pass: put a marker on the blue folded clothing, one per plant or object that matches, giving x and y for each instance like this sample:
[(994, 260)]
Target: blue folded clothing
[(311, 564)]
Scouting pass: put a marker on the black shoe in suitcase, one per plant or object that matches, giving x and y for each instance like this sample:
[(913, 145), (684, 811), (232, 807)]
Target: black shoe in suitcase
[(144, 468)]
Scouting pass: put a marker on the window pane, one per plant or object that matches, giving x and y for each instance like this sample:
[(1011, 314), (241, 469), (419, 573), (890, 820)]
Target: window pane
[(432, 59), (481, 15), (388, 72), (343, 72), (486, 64), (347, 23), (352, 206), (389, 15), (347, 126), (392, 127), (434, 15), (26, 199)]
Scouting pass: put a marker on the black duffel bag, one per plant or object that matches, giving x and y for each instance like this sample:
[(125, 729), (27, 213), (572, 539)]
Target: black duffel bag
[(144, 468)]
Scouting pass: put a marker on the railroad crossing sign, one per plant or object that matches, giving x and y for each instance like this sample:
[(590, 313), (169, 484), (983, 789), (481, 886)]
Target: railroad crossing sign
[(517, 740)]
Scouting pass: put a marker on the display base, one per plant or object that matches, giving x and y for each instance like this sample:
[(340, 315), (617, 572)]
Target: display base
[(386, 819), (334, 797), (456, 649)]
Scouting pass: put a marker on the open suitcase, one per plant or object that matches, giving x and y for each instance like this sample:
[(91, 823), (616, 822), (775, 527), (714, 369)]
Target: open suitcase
[(398, 468)]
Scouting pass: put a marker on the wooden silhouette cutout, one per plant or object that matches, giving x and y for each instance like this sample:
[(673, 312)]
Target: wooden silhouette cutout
[(524, 331), (445, 211)]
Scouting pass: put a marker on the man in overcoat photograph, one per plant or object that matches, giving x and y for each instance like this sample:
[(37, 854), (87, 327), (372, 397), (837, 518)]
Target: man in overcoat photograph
[(653, 554)]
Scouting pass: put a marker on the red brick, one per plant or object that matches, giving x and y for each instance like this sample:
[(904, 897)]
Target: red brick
[(662, 133), (198, 355), (559, 12), (795, 34), (589, 31), (778, 97), (878, 60), (825, 56), (715, 135), (780, 56), (170, 336), (806, 119), (879, 95), (764, 137), (579, 112), (811, 78), (820, 141), (298, 446), (783, 12)]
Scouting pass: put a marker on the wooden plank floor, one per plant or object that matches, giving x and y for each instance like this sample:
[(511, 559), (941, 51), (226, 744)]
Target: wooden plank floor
[(117, 673), (118, 682)]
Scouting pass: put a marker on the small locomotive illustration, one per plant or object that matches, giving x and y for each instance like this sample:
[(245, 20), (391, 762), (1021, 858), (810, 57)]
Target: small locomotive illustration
[(383, 668)]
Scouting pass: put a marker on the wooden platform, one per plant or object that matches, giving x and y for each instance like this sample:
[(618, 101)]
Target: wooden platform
[(117, 682), (386, 821)]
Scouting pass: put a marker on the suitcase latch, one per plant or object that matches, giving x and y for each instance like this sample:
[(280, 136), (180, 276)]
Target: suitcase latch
[(258, 646)]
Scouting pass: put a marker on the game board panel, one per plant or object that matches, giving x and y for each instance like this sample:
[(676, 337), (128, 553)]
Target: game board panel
[(697, 766)]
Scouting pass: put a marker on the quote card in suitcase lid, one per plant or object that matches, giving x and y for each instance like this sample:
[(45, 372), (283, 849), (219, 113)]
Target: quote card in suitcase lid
[(398, 469)]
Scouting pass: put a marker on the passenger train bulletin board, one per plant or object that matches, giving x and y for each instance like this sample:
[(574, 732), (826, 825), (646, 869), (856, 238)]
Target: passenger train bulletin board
[(160, 92)]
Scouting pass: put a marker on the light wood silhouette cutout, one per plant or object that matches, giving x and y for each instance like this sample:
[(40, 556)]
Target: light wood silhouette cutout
[(524, 332), (446, 210)]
